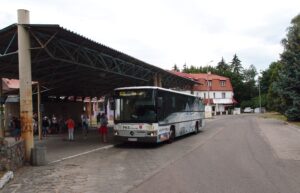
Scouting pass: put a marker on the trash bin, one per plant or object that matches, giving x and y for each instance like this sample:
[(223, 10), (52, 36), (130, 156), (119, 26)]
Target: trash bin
[(39, 156)]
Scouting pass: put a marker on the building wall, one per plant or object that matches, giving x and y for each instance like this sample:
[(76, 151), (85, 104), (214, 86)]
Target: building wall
[(218, 94), (212, 86)]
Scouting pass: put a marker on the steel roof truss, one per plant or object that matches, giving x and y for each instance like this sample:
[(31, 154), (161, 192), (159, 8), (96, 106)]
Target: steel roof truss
[(8, 49), (84, 59)]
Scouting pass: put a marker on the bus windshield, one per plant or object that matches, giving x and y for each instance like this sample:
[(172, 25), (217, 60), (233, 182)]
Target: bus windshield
[(135, 106)]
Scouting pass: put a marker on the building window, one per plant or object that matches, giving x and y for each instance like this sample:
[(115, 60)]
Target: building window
[(223, 95), (222, 82), (214, 95), (208, 83)]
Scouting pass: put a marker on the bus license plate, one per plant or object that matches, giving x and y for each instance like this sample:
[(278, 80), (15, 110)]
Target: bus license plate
[(132, 139)]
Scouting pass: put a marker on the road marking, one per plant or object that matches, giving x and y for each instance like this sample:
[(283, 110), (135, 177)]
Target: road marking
[(80, 154)]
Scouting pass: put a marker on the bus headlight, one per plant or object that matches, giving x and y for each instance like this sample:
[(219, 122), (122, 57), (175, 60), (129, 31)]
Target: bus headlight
[(116, 133), (152, 133)]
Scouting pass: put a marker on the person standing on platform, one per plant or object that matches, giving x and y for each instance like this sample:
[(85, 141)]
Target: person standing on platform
[(98, 118), (45, 126), (103, 130), (71, 126), (84, 124), (54, 124), (17, 128)]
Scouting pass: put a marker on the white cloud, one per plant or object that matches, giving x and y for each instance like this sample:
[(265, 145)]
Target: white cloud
[(171, 31)]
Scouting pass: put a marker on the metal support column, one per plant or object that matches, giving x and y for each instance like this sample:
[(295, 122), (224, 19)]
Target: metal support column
[(2, 130), (157, 80), (192, 89), (39, 110), (90, 107), (25, 82)]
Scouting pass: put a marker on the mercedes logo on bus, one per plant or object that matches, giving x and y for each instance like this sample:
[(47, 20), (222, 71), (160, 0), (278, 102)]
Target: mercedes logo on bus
[(131, 133)]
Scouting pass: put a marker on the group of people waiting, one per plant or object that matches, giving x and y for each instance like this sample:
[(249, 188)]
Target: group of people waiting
[(103, 130), (55, 125), (52, 125)]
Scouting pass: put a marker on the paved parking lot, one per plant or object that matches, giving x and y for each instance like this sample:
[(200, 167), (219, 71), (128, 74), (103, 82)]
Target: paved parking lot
[(233, 154)]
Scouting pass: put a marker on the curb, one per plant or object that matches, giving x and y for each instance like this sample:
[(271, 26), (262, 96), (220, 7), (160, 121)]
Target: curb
[(6, 177)]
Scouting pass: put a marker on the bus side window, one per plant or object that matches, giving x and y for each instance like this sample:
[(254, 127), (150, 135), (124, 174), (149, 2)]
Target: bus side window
[(159, 102), (173, 102)]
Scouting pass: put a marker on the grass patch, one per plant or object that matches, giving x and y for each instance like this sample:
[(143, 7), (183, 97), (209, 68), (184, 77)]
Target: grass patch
[(296, 123), (278, 116), (274, 115)]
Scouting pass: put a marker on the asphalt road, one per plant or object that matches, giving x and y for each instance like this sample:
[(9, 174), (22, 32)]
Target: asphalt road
[(234, 154), (239, 159)]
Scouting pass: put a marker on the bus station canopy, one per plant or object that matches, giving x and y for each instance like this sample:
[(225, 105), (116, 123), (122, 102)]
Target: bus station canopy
[(68, 64)]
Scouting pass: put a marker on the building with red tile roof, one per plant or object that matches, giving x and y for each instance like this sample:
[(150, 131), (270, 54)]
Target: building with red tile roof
[(10, 84), (216, 90)]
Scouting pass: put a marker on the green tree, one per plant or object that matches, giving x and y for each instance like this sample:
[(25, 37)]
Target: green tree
[(175, 68), (288, 85), (236, 65), (267, 81), (223, 66), (185, 68), (250, 73)]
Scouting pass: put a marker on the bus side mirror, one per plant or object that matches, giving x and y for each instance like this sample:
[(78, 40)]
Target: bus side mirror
[(159, 102)]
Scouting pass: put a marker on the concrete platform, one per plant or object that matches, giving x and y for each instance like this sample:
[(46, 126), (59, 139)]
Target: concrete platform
[(59, 147)]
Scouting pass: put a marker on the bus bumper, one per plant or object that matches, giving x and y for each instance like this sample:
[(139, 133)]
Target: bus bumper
[(136, 139)]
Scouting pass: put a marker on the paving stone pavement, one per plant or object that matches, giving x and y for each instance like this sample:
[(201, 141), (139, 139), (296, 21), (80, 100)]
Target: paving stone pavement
[(113, 170)]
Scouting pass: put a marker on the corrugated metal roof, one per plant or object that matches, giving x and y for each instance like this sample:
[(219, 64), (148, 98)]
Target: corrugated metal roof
[(62, 76)]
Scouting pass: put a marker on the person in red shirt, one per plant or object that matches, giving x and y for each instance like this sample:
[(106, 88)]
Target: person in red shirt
[(103, 130), (70, 125)]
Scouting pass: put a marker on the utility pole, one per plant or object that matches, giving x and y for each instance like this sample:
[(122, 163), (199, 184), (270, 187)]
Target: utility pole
[(208, 109), (2, 101), (259, 96), (39, 110), (207, 81), (25, 82)]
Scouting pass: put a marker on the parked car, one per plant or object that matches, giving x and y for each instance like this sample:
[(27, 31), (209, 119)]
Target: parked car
[(262, 110), (248, 110)]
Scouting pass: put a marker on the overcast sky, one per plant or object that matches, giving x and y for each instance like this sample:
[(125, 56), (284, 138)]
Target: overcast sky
[(168, 32)]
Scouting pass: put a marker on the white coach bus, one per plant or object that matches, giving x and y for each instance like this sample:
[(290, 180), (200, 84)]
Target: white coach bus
[(154, 114)]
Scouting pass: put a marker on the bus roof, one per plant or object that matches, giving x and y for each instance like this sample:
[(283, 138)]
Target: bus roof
[(154, 87)]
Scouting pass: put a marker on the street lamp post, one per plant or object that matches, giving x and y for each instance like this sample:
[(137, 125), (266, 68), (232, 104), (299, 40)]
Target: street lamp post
[(259, 96), (207, 82)]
